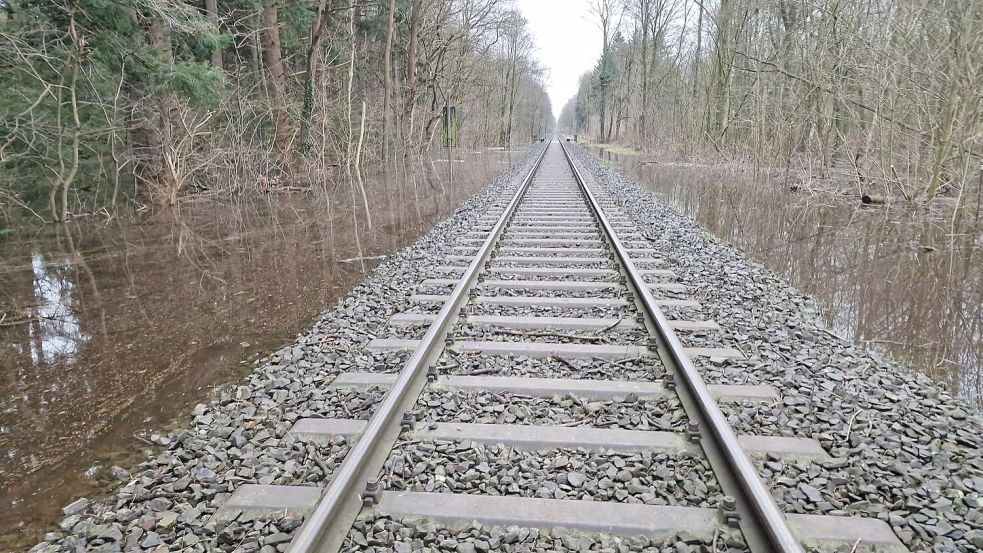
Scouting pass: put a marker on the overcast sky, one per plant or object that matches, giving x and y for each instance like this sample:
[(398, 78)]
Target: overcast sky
[(568, 43)]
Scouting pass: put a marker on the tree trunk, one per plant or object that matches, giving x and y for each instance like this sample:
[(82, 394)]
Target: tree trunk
[(387, 91), (316, 38), (152, 130), (643, 117), (58, 197), (513, 90), (411, 53), (699, 49), (502, 134), (211, 8), (273, 59), (605, 85), (722, 70)]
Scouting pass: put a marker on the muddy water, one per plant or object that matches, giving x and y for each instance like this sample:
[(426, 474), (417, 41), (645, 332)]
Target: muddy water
[(111, 329), (902, 282)]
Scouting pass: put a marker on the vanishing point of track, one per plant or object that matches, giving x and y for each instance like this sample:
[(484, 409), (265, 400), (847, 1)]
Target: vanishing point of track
[(568, 276)]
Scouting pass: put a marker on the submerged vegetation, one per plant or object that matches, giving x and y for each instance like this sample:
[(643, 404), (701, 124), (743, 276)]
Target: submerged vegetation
[(154, 100)]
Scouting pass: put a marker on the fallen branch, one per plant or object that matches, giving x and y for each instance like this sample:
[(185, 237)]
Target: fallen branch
[(362, 258), (325, 471), (565, 361), (616, 323), (833, 334), (544, 334), (896, 343), (289, 189), (143, 440), (618, 363), (849, 427), (4, 322), (479, 372)]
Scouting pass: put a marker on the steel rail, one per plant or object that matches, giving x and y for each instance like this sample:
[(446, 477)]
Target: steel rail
[(769, 522), (343, 495)]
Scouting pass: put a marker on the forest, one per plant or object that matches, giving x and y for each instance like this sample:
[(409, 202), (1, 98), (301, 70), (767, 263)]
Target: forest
[(146, 102), (881, 96)]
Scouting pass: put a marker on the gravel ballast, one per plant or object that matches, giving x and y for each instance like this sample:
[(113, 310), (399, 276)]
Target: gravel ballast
[(904, 449), (649, 478), (466, 364), (664, 413), (379, 534)]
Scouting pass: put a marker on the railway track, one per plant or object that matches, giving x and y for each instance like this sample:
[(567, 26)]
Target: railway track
[(549, 337)]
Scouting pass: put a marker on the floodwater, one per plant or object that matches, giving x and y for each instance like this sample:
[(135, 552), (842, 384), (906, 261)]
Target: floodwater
[(903, 282), (112, 329)]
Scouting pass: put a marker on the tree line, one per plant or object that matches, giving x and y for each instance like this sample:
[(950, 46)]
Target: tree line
[(154, 100), (886, 92)]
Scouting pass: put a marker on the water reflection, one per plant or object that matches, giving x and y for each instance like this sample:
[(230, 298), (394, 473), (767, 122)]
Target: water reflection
[(53, 332), (904, 282), (107, 328)]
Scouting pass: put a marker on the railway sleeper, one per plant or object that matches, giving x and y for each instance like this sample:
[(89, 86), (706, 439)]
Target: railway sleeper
[(547, 323), (553, 271), (559, 285), (547, 387), (542, 437), (460, 511), (546, 349), (548, 302)]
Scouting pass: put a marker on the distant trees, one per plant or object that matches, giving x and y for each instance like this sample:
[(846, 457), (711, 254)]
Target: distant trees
[(155, 99), (885, 90)]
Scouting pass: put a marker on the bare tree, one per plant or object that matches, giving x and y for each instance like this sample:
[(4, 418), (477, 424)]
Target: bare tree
[(273, 57), (880, 93), (607, 12), (387, 70), (127, 118), (211, 8)]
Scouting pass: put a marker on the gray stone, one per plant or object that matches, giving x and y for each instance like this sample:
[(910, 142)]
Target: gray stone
[(76, 506), (152, 539), (279, 537), (811, 492), (975, 537), (167, 519)]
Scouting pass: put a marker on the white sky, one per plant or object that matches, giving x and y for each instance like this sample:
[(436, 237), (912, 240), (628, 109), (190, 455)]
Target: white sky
[(568, 43)]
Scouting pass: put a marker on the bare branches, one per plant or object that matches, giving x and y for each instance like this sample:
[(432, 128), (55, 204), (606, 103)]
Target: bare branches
[(164, 99), (881, 94)]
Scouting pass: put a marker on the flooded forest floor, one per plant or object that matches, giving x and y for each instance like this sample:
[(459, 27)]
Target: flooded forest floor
[(110, 330), (905, 281)]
